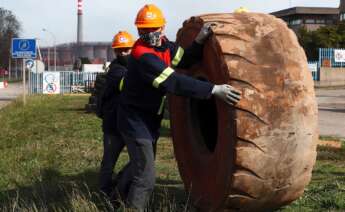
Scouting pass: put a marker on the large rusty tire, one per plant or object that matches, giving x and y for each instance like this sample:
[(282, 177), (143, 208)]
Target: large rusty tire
[(258, 155)]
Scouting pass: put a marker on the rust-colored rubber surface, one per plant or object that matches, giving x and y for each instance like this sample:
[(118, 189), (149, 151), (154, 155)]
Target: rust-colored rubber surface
[(259, 155)]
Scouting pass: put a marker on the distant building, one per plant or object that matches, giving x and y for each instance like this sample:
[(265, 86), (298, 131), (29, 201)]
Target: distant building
[(95, 52), (311, 18)]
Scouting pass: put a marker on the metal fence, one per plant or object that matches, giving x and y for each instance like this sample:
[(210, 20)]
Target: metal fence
[(327, 58), (70, 82), (81, 82)]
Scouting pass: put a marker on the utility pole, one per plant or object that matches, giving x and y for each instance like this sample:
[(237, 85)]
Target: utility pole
[(48, 58), (54, 40), (16, 68)]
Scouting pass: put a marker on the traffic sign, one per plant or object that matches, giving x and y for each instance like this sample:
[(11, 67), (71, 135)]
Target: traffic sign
[(23, 48), (29, 63), (35, 66)]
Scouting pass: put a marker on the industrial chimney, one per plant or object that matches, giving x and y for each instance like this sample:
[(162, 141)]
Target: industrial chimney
[(80, 22), (78, 48)]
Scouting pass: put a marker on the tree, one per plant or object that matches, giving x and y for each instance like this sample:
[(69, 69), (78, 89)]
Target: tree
[(9, 28), (307, 41), (325, 37)]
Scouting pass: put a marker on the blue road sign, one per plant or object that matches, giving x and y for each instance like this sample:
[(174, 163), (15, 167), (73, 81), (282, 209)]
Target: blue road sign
[(23, 48)]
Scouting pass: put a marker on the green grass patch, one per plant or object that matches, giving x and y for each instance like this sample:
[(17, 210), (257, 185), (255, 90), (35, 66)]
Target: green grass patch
[(331, 138), (326, 191), (50, 152), (14, 80)]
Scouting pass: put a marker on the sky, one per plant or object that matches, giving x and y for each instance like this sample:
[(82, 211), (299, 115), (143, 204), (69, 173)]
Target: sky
[(104, 18)]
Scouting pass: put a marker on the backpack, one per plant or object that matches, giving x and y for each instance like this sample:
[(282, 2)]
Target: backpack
[(98, 93)]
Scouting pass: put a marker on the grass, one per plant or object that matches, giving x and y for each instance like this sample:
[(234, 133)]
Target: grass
[(326, 191), (10, 81), (331, 138), (50, 153)]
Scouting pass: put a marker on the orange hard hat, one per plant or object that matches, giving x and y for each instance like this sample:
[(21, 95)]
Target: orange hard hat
[(150, 16), (122, 40)]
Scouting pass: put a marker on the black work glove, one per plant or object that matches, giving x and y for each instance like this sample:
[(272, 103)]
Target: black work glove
[(204, 33)]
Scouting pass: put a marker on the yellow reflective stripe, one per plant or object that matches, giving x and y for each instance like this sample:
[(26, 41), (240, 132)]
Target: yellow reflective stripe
[(121, 84), (178, 56), (162, 77), (161, 107)]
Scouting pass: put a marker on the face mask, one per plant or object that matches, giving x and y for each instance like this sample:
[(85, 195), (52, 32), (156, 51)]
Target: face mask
[(152, 38), (123, 60)]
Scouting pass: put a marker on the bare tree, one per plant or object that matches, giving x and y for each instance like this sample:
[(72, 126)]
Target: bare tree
[(9, 28)]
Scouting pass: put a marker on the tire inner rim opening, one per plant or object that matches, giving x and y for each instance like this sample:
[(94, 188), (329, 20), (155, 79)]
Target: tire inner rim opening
[(204, 122)]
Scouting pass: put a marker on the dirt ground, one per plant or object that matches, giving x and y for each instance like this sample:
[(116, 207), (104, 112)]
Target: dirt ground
[(332, 144), (331, 112)]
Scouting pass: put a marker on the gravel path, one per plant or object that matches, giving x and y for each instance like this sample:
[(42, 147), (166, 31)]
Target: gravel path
[(331, 111)]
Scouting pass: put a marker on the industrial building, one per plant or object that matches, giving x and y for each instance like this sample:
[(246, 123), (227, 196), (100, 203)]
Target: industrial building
[(67, 54), (311, 18)]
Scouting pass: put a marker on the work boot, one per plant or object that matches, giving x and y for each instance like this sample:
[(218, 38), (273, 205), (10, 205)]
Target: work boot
[(115, 199)]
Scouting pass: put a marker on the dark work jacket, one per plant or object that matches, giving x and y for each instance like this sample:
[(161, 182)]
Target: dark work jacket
[(150, 76), (111, 97)]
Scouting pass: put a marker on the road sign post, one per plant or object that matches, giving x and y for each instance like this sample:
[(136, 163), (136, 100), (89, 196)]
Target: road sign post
[(24, 84), (29, 64), (9, 68), (24, 49)]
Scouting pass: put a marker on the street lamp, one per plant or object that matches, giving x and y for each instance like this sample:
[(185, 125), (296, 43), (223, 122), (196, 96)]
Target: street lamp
[(45, 30)]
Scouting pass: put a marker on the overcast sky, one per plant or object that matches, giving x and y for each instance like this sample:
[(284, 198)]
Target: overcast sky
[(104, 18)]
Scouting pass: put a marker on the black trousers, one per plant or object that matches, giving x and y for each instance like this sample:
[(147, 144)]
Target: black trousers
[(112, 147)]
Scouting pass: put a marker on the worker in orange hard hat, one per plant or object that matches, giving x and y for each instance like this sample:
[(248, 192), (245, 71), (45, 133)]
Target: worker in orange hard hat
[(122, 45), (150, 76), (151, 24), (107, 103)]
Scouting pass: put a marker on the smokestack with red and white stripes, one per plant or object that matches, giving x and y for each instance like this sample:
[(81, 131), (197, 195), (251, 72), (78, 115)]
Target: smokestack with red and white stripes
[(80, 22)]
